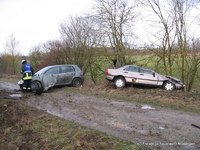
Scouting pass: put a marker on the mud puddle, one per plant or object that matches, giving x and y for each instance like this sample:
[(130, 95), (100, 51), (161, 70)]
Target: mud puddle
[(9, 87)]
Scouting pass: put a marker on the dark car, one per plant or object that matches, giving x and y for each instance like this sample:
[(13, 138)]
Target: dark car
[(58, 75)]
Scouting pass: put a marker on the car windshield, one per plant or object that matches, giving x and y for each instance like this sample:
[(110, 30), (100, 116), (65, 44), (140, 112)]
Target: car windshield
[(41, 71)]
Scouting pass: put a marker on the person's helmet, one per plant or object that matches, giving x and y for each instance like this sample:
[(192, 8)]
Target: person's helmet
[(23, 61)]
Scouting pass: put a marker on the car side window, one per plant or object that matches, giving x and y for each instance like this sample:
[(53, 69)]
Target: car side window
[(54, 70), (65, 69), (132, 69), (143, 70)]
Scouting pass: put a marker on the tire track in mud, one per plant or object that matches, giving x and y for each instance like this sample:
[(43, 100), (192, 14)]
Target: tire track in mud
[(160, 128)]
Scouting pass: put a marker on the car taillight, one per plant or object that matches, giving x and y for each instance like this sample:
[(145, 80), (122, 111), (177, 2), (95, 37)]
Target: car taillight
[(106, 71), (81, 72)]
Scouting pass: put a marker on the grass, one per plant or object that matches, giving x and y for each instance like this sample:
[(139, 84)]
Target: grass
[(10, 78), (22, 127)]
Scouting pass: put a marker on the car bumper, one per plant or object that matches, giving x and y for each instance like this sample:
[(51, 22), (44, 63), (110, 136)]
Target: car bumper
[(109, 77), (82, 78), (180, 86)]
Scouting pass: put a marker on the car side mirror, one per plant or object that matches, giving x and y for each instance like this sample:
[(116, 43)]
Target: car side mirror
[(154, 74)]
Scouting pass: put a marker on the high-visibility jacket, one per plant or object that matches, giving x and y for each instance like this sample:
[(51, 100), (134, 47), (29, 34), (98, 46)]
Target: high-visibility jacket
[(27, 71)]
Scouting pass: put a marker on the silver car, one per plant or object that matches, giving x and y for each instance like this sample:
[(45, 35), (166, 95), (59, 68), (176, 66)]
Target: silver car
[(57, 75), (139, 75)]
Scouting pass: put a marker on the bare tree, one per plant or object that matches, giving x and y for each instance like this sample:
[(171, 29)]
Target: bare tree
[(11, 49), (36, 57), (78, 46), (166, 32), (3, 64), (174, 17), (55, 52), (192, 64), (79, 41), (181, 9), (115, 19)]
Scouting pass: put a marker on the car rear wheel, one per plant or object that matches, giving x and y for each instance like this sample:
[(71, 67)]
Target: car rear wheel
[(36, 87), (120, 82), (77, 82), (168, 86)]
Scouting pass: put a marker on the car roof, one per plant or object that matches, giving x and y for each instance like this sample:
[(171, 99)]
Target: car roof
[(127, 66), (61, 65), (134, 66), (47, 67)]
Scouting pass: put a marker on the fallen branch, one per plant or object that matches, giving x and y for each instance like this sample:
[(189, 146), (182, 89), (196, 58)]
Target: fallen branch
[(195, 126)]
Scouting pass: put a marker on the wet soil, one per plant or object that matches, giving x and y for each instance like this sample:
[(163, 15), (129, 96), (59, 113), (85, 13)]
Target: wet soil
[(152, 126)]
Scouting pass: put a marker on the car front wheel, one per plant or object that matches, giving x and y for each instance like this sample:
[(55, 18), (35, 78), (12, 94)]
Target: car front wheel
[(168, 86), (36, 87), (120, 82)]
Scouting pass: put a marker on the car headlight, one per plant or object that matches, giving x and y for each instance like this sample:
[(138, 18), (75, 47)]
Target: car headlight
[(20, 82)]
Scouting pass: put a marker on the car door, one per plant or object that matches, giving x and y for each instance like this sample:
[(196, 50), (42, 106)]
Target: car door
[(147, 77), (66, 75), (131, 74), (50, 77)]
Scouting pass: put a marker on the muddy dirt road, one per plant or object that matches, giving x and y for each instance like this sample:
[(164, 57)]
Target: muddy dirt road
[(156, 127)]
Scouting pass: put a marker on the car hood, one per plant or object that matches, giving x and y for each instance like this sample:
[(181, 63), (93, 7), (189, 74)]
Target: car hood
[(36, 77), (165, 77), (172, 78)]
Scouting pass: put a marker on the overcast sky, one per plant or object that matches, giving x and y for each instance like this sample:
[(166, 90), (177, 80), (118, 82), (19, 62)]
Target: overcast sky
[(36, 21)]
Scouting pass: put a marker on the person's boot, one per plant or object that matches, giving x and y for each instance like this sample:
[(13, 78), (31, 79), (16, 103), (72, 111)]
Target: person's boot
[(24, 90)]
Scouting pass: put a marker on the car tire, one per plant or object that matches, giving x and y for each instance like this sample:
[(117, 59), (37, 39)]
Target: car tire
[(21, 87), (120, 82), (36, 87), (76, 82), (169, 86)]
